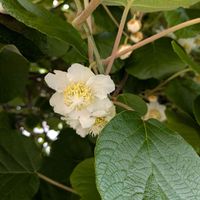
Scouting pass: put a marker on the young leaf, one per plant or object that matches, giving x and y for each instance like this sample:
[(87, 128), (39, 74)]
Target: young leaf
[(152, 5), (196, 109), (19, 161), (83, 180), (185, 57), (133, 101), (45, 22), (160, 60), (139, 160), (13, 75)]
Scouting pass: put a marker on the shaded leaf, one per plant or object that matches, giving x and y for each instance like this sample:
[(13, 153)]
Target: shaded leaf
[(160, 60), (196, 109), (83, 180)]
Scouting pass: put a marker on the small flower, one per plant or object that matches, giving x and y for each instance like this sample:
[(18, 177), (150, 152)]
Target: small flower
[(99, 120), (122, 48), (134, 25), (155, 110), (188, 44), (136, 37), (2, 10)]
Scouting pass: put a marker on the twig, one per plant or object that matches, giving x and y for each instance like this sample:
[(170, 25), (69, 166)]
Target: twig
[(86, 13), (113, 18), (153, 38), (150, 92), (118, 38), (55, 183), (122, 105)]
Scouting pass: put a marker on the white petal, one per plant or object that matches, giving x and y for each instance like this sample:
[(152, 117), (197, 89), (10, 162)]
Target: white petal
[(57, 81), (57, 102), (100, 106), (82, 131), (78, 72), (87, 122), (102, 85)]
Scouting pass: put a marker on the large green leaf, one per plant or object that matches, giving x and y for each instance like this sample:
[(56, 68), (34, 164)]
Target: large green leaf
[(153, 5), (45, 22), (144, 160), (83, 180), (13, 75), (181, 15), (182, 93), (19, 161), (160, 60), (133, 101), (196, 109), (185, 57)]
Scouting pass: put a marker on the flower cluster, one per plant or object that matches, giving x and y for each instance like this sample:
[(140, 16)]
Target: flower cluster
[(81, 98)]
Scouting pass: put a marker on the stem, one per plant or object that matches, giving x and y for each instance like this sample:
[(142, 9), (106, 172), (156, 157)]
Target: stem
[(118, 38), (167, 81), (154, 37), (86, 13), (122, 105), (55, 183), (113, 18)]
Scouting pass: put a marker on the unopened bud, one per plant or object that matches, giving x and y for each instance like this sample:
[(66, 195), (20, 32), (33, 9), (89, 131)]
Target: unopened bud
[(134, 25), (136, 37), (122, 48)]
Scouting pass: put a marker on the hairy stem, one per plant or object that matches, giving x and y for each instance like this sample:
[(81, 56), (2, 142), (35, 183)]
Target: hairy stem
[(153, 38), (86, 13), (150, 92), (118, 38), (117, 103), (57, 184)]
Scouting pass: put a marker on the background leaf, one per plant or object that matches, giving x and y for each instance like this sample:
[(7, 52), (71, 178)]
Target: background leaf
[(13, 75), (160, 60), (196, 109), (83, 180), (145, 160)]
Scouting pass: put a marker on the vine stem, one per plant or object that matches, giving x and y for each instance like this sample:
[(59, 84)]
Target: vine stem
[(57, 184), (86, 13), (117, 103), (113, 18), (118, 38), (153, 38), (167, 81)]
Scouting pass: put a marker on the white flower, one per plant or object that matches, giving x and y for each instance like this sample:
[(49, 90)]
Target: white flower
[(122, 48), (100, 119), (136, 37), (155, 110), (134, 25), (80, 95), (2, 10)]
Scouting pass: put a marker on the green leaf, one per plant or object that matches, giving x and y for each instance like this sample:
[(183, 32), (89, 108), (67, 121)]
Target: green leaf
[(185, 126), (83, 180), (153, 5), (4, 121), (181, 15), (45, 22), (133, 101), (13, 75), (182, 93), (160, 60), (185, 57), (19, 161), (144, 160), (196, 109)]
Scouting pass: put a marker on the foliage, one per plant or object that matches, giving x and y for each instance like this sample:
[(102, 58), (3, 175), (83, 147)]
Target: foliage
[(42, 158)]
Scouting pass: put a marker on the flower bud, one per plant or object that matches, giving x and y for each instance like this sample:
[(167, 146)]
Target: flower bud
[(134, 25), (122, 48), (136, 37)]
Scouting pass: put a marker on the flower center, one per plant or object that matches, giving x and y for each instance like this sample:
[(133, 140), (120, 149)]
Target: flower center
[(78, 95), (154, 113), (100, 122)]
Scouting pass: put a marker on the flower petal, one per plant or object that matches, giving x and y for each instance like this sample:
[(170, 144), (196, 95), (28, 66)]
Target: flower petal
[(102, 85), (57, 102), (57, 81), (78, 72)]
